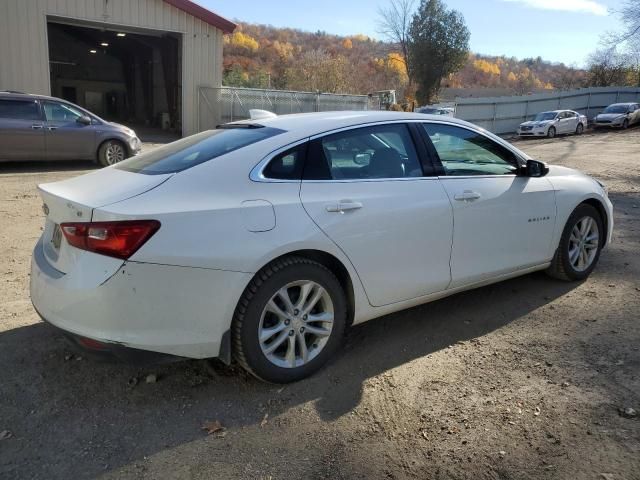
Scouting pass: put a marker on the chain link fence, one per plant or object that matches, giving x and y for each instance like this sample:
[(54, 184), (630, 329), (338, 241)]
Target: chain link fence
[(228, 104)]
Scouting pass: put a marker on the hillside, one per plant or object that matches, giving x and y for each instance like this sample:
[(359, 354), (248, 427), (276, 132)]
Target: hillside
[(263, 56)]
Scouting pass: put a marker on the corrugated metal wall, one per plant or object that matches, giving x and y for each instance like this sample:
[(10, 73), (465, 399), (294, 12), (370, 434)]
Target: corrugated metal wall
[(504, 114), (24, 51)]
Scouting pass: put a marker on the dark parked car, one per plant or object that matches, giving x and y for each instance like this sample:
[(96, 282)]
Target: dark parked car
[(36, 127)]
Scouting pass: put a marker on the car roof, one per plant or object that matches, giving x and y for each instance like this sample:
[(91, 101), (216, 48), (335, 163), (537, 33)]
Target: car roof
[(315, 123), (621, 104), (22, 95)]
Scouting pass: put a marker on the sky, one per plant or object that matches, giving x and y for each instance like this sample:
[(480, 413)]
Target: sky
[(557, 30)]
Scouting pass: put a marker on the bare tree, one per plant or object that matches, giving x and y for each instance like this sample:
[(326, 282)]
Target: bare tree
[(394, 23), (607, 68), (630, 13)]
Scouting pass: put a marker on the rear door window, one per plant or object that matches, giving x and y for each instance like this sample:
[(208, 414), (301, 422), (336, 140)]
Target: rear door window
[(20, 109), (377, 152), (197, 149)]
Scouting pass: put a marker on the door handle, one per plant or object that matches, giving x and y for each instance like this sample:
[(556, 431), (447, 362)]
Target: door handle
[(344, 206), (51, 129), (467, 196), (36, 127)]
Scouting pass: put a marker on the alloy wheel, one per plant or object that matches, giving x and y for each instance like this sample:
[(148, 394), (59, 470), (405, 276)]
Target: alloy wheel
[(583, 243), (114, 153), (296, 324)]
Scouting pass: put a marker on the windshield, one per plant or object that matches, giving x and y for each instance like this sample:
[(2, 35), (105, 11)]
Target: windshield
[(616, 109), (541, 117), (197, 149)]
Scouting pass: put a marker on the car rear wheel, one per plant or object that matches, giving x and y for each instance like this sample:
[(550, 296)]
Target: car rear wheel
[(111, 152), (580, 245), (579, 129), (290, 320), (551, 133)]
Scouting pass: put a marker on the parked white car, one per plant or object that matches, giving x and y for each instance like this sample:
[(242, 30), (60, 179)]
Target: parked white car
[(264, 239), (618, 115), (556, 122)]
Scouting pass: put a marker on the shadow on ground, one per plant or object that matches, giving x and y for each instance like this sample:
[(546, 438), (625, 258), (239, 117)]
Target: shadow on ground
[(99, 421)]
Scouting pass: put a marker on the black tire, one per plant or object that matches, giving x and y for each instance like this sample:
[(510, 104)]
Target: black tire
[(108, 153), (561, 267), (551, 133), (579, 129), (246, 321), (625, 124)]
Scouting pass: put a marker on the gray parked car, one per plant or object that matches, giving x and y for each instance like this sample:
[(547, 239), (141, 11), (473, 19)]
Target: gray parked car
[(620, 115), (36, 127)]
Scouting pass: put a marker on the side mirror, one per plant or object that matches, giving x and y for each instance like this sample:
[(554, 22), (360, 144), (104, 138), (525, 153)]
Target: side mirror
[(84, 120), (535, 169), (362, 158)]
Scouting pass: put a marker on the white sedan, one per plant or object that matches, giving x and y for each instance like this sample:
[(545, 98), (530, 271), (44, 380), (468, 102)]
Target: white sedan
[(556, 122), (263, 240)]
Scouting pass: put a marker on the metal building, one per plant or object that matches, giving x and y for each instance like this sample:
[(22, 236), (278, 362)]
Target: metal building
[(138, 62)]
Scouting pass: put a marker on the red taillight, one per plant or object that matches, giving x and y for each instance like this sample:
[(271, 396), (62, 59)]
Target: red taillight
[(115, 239)]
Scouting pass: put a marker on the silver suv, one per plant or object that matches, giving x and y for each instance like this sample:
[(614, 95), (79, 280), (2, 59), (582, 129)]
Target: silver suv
[(37, 127)]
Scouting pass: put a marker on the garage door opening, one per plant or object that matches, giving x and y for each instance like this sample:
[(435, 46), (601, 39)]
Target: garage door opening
[(123, 76)]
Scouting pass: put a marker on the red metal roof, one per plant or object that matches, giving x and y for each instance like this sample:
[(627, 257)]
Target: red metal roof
[(203, 14)]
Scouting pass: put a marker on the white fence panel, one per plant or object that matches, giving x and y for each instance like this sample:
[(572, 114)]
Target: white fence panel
[(504, 114)]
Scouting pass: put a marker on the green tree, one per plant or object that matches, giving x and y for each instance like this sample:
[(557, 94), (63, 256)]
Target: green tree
[(438, 47)]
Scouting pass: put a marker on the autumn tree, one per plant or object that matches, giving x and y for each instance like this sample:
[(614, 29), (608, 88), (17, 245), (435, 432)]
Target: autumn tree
[(608, 68), (438, 46)]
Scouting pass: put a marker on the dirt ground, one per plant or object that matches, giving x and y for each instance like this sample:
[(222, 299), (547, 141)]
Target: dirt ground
[(519, 380)]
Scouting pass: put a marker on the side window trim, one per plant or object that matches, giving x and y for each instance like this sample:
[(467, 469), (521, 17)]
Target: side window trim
[(442, 173)]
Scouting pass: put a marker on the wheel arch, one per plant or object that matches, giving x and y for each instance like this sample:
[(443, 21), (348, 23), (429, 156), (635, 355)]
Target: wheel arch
[(598, 205)]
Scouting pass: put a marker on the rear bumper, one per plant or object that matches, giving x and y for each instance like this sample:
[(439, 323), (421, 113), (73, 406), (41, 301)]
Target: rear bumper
[(177, 311)]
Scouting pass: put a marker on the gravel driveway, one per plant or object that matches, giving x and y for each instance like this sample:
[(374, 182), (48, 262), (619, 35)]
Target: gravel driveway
[(519, 380)]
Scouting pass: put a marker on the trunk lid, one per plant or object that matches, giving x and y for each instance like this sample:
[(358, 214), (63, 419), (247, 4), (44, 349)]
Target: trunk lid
[(75, 199)]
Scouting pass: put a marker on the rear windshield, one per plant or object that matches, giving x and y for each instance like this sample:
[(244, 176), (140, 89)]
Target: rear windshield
[(197, 149)]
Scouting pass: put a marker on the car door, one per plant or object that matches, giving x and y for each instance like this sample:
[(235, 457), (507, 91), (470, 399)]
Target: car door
[(565, 122), (21, 130), (572, 122), (502, 221), (66, 138), (366, 190)]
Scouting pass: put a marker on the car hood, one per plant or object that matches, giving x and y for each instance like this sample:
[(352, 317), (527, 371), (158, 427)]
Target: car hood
[(609, 116), (533, 123), (122, 128), (559, 171)]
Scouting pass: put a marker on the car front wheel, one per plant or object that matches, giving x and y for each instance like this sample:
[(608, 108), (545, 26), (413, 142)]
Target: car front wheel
[(111, 152), (290, 320), (580, 245), (579, 129), (551, 133), (625, 124)]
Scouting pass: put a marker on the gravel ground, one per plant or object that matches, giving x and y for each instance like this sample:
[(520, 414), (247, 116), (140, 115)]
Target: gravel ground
[(519, 380)]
